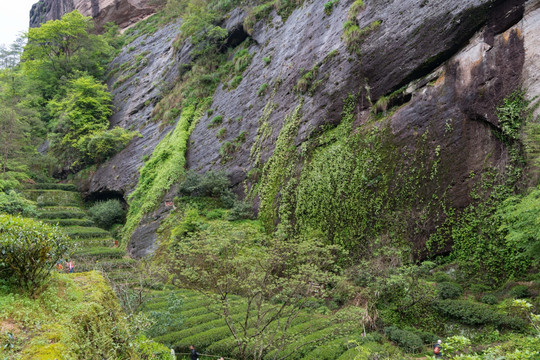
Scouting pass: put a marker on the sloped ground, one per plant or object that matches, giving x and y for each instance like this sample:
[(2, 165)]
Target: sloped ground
[(62, 205), (316, 336), (54, 325)]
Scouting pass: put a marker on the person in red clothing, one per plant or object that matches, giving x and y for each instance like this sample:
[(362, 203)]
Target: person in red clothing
[(71, 266)]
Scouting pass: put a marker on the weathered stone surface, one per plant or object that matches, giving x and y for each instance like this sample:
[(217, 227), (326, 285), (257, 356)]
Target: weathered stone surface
[(134, 100), (530, 27), (121, 12), (457, 60)]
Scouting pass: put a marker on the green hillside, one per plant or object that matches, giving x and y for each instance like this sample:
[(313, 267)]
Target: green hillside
[(272, 180)]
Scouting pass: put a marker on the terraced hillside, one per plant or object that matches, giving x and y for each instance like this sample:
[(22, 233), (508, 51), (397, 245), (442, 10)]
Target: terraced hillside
[(315, 336), (62, 204)]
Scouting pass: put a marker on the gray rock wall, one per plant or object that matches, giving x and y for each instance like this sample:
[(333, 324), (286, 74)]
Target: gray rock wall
[(456, 60)]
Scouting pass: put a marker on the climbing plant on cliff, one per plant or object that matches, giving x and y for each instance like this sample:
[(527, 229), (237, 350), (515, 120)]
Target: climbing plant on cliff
[(490, 237), (352, 186)]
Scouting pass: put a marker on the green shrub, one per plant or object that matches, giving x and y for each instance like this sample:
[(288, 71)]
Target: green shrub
[(440, 277), (29, 250), (216, 120), (489, 299), (519, 292), (107, 213), (203, 339), (215, 214), (225, 346), (427, 337), (69, 222), (262, 89), (449, 290), (101, 145), (426, 267), (267, 60), (227, 149), (329, 6), (470, 313), (236, 81), (221, 133), (479, 288), (329, 350), (210, 184), (241, 210), (149, 349), (404, 339), (14, 204), (241, 60)]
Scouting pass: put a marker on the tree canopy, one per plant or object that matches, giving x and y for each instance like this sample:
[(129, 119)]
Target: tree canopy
[(61, 47)]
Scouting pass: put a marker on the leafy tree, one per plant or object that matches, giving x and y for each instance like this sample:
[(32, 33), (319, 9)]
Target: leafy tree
[(99, 146), (19, 123), (199, 24), (9, 57), (277, 280), (59, 48), (83, 111), (10, 134)]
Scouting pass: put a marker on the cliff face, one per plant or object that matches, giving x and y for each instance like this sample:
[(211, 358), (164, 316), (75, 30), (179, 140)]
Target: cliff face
[(121, 12), (442, 67)]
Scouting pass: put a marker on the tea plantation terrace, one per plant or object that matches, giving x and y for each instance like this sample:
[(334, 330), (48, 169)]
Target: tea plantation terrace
[(62, 204)]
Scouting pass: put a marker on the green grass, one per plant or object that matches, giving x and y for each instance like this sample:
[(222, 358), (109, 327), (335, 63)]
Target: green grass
[(59, 322)]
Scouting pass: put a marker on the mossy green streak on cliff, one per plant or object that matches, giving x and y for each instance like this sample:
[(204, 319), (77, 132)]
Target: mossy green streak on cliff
[(278, 171), (164, 167)]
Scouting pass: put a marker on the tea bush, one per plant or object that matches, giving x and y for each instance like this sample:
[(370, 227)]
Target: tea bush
[(107, 213), (29, 250), (519, 292), (475, 314), (489, 299), (449, 290), (404, 339), (14, 204)]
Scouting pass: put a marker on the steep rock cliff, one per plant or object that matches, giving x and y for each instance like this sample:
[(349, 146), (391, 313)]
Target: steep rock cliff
[(121, 12), (441, 67)]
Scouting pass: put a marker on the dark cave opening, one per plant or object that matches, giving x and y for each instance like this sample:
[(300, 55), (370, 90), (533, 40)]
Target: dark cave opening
[(236, 36)]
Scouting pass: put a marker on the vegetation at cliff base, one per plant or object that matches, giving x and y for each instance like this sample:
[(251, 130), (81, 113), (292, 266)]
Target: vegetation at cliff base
[(344, 237)]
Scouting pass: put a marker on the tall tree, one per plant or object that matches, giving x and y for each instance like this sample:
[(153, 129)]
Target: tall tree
[(59, 48), (82, 112)]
